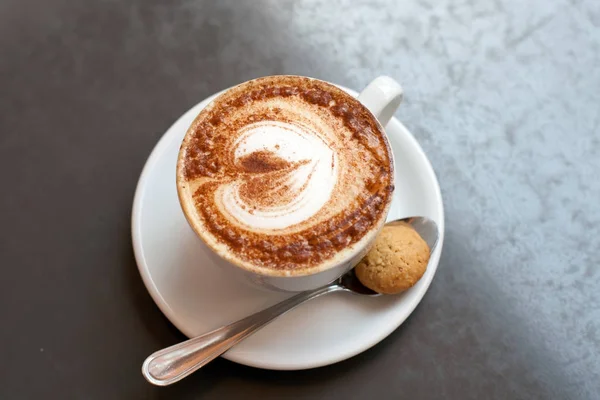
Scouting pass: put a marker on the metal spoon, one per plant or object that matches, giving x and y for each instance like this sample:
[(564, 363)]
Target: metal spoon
[(174, 363)]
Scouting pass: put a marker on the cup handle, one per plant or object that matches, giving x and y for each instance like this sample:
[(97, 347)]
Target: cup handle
[(382, 97)]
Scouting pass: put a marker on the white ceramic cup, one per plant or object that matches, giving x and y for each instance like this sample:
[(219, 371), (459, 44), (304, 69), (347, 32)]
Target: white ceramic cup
[(382, 98)]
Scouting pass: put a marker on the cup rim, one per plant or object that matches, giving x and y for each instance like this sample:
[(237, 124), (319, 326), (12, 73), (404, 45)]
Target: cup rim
[(330, 263)]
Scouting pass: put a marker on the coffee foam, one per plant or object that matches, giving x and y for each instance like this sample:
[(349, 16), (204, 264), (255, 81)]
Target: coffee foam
[(284, 172)]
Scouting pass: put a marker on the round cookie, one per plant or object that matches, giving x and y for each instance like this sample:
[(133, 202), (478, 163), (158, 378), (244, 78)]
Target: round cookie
[(397, 260)]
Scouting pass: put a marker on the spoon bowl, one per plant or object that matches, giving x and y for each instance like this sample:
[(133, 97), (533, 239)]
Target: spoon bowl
[(425, 227)]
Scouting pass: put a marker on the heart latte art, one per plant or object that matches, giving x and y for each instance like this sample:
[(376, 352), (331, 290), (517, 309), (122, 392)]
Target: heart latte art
[(287, 174), (284, 173)]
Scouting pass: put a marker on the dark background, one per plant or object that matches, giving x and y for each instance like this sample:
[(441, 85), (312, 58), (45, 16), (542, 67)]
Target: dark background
[(503, 96)]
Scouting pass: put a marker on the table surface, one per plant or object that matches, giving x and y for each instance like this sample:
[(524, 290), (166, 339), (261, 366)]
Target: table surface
[(503, 95)]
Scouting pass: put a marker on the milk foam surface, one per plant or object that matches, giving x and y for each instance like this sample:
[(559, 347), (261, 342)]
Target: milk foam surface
[(284, 173)]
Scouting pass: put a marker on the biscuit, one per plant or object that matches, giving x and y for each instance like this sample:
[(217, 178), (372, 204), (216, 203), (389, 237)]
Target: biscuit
[(397, 260)]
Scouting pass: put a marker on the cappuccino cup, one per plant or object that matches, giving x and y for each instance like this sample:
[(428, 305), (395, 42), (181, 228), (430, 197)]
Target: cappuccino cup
[(289, 179)]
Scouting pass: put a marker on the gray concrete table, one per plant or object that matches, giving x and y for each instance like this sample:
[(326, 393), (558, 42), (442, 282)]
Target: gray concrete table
[(504, 96)]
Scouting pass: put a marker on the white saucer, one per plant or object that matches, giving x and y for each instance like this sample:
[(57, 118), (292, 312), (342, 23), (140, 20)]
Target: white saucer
[(198, 296)]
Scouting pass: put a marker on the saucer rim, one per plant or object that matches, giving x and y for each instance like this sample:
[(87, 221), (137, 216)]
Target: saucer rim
[(356, 349)]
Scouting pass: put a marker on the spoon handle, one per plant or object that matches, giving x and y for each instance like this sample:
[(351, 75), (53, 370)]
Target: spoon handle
[(169, 365)]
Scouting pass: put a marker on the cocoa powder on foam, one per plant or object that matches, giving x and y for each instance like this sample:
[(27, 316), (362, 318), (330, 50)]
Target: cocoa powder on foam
[(207, 160)]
